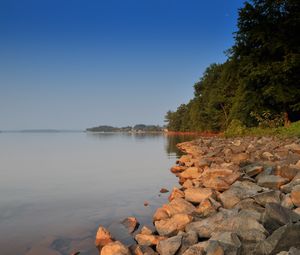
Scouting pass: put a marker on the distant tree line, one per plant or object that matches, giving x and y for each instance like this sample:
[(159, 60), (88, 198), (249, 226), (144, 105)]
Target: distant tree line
[(260, 81), (136, 128)]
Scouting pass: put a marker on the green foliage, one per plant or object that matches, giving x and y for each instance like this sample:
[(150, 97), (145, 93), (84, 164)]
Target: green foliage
[(260, 81), (268, 120), (236, 128)]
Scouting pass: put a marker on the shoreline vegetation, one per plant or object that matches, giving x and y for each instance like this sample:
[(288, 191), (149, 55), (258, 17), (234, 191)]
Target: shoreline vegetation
[(237, 196)]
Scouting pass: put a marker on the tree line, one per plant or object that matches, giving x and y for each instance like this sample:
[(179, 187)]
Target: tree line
[(259, 83)]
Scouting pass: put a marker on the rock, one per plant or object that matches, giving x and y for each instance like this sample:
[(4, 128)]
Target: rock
[(197, 195), (214, 248), (190, 173), (163, 190), (131, 224), (179, 205), (177, 169), (272, 181), (146, 203), (146, 231), (147, 240), (287, 202), (103, 237), (184, 159), (229, 241), (276, 216), (272, 196), (268, 156), (252, 169), (295, 195), (239, 158), (204, 162), (293, 147), (188, 184), (115, 248), (196, 249), (219, 179), (205, 208), (287, 188), (176, 193), (188, 239), (297, 210), (248, 228), (281, 239), (160, 214), (237, 192), (288, 172), (249, 204), (142, 250), (169, 246), (172, 225)]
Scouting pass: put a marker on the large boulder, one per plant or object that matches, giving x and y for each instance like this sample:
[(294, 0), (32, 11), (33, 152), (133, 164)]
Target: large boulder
[(281, 239), (169, 246), (173, 225), (115, 248), (179, 205), (219, 178), (197, 195), (237, 192)]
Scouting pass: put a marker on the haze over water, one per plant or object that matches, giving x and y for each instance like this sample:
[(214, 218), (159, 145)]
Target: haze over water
[(56, 188)]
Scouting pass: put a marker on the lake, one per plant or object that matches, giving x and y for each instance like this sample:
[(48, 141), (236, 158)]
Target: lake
[(56, 188)]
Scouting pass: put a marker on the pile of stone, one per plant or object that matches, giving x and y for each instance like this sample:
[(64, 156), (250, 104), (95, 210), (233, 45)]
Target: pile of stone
[(236, 196)]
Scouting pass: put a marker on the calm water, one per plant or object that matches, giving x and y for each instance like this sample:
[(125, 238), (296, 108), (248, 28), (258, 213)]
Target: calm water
[(56, 188)]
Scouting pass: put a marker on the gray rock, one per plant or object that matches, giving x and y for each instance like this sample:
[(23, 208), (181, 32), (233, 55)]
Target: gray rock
[(272, 196), (188, 239), (281, 239), (271, 181), (229, 241), (253, 169), (197, 249), (237, 192), (169, 246)]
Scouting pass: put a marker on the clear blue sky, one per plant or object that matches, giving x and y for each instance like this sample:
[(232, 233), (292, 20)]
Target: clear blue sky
[(74, 64)]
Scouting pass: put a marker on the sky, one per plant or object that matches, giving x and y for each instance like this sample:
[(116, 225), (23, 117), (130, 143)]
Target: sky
[(73, 64)]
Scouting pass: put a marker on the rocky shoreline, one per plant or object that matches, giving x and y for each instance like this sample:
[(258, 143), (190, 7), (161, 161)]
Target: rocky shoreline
[(236, 196)]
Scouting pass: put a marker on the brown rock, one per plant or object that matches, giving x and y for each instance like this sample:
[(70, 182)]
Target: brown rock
[(288, 172), (197, 195), (287, 202), (188, 239), (163, 190), (177, 169), (103, 237), (172, 225), (176, 193), (293, 147), (179, 205), (239, 158), (297, 210), (196, 249), (253, 169), (147, 240), (268, 156), (115, 248), (169, 246), (146, 231), (190, 173), (271, 196), (142, 250), (214, 248), (295, 195), (131, 224), (160, 214), (205, 208)]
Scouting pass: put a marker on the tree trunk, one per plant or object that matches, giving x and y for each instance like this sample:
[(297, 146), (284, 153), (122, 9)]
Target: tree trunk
[(287, 122)]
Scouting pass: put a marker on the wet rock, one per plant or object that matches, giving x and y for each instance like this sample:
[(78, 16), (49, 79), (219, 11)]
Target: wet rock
[(147, 240), (281, 239), (163, 190), (197, 195), (115, 248), (237, 192), (295, 195), (103, 237), (188, 239), (276, 216), (131, 224), (169, 246), (219, 179), (176, 193), (179, 205), (272, 196), (272, 181), (172, 225)]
